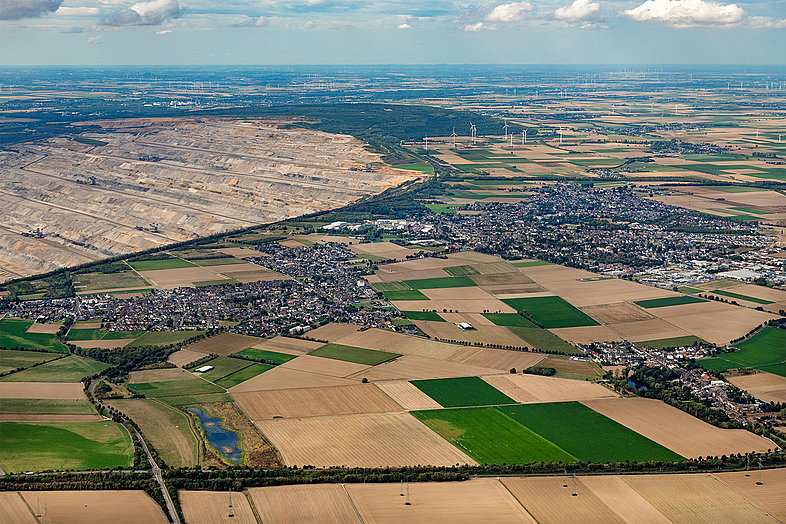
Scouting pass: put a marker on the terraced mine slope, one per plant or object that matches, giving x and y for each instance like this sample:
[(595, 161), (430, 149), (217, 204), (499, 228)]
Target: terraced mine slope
[(146, 182)]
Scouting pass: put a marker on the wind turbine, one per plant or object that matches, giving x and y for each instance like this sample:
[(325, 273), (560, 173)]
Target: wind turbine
[(524, 137), (425, 138), (505, 127), (474, 130), (454, 135)]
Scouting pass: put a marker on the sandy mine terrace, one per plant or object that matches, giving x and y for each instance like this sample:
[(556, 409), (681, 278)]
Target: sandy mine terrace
[(157, 181)]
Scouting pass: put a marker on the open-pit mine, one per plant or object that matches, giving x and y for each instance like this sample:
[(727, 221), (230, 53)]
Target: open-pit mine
[(141, 183)]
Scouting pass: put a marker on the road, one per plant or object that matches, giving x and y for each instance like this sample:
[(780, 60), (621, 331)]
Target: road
[(173, 516)]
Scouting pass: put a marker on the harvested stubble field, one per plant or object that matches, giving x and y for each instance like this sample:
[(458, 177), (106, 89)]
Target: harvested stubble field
[(324, 366), (765, 386), (653, 329), (407, 395), (714, 322), (293, 346), (42, 390), (212, 507), (616, 313), (685, 435), (500, 359), (357, 355), (49, 329), (328, 504), (89, 507), (484, 334), (770, 496), (587, 334), (224, 344), (412, 367), (281, 377), (168, 430), (313, 402), (158, 375), (367, 440), (535, 388), (184, 357)]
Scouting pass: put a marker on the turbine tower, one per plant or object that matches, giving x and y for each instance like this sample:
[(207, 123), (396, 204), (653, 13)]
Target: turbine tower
[(474, 130), (524, 137), (454, 135), (505, 127)]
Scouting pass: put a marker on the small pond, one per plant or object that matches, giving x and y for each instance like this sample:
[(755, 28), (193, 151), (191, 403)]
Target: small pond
[(223, 440)]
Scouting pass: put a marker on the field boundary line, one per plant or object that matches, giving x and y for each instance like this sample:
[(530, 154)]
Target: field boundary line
[(746, 499), (360, 519), (27, 506), (517, 500), (250, 500)]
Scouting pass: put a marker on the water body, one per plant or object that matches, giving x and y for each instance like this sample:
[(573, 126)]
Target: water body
[(225, 441)]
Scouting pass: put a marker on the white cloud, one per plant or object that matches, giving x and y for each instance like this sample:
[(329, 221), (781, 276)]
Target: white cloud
[(479, 26), (262, 21), (16, 9), (687, 13), (579, 11), (512, 12), (765, 22), (77, 11), (154, 12), (95, 40), (164, 32), (404, 26)]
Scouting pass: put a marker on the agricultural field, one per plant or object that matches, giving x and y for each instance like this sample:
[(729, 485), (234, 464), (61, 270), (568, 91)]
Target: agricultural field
[(535, 388), (762, 385), (72, 368), (42, 390), (423, 315), (262, 354), (509, 319), (11, 359), (164, 338), (155, 265), (181, 392), (223, 344), (462, 392), (63, 445), (122, 280), (241, 375), (206, 507), (670, 301), (59, 406), (766, 351), (551, 312), (14, 335), (166, 428), (354, 354), (89, 506), (491, 437)]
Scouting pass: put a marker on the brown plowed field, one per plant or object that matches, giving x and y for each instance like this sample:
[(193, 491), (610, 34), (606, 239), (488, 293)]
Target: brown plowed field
[(65, 390), (184, 356), (159, 375), (292, 346), (313, 402), (621, 498), (412, 367), (586, 334), (766, 386), (770, 496), (534, 388), (320, 504), (687, 499), (367, 440), (500, 359), (224, 344), (283, 378), (470, 502), (49, 329), (643, 330), (96, 507), (676, 430), (324, 366), (212, 507), (240, 252), (616, 313), (548, 500), (407, 395)]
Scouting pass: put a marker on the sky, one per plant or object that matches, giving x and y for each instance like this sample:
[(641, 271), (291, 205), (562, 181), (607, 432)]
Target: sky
[(262, 32)]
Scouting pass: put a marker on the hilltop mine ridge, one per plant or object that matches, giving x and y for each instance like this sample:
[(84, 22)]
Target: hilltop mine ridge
[(149, 182)]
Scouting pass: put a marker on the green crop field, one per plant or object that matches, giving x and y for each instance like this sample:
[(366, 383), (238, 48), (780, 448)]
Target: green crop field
[(390, 286), (551, 312), (423, 315), (532, 263), (741, 297), (369, 357), (407, 294), (100, 334), (447, 209), (544, 340), (661, 343), (509, 319), (440, 283), (47, 406), (95, 281), (491, 437), (164, 338), (181, 392), (13, 335), (69, 369), (35, 446), (460, 392), (270, 356), (461, 271), (11, 359), (586, 434), (233, 379), (218, 261), (153, 265), (168, 429), (669, 301), (766, 350), (223, 366)]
